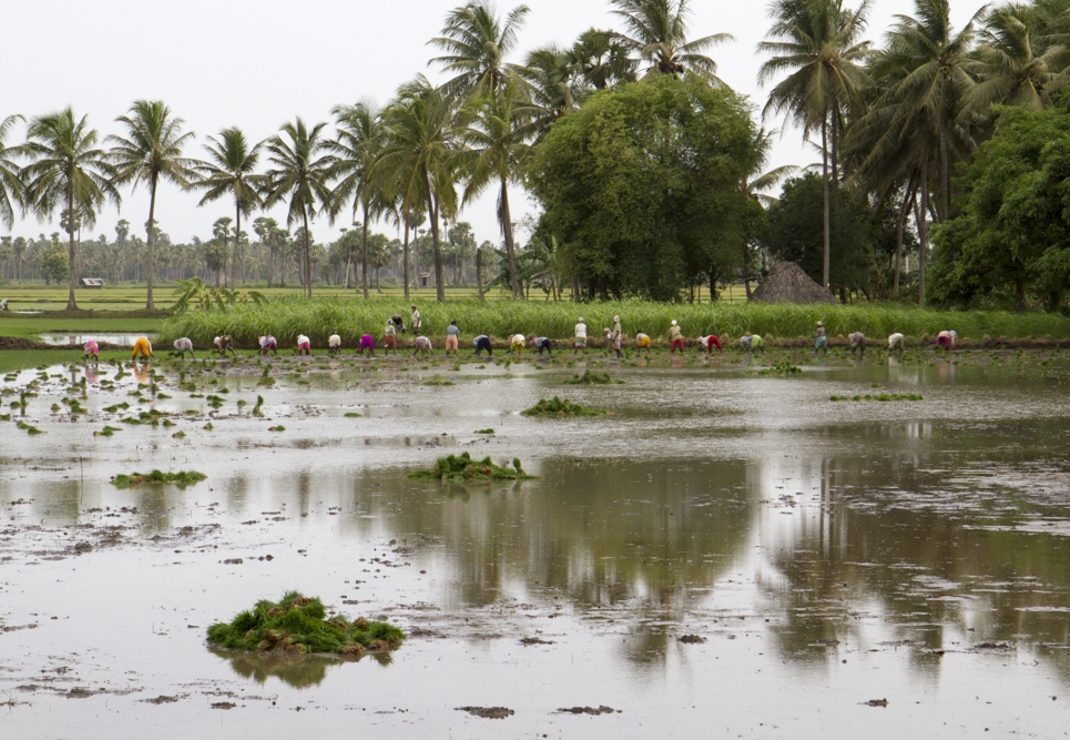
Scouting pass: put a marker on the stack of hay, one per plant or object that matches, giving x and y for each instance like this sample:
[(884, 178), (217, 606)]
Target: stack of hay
[(787, 283)]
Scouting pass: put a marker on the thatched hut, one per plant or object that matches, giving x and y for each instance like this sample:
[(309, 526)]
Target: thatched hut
[(787, 283)]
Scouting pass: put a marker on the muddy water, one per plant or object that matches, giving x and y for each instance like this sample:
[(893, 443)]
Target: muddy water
[(724, 553)]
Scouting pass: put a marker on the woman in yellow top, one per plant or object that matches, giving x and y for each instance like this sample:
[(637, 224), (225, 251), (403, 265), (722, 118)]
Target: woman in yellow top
[(642, 341), (142, 347)]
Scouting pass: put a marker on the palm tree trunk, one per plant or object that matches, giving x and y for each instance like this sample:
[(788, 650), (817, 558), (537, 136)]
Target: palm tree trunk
[(234, 256), (825, 193), (72, 305), (405, 258), (899, 226), (432, 213), (923, 234), (308, 255), (834, 207), (150, 242), (506, 221), (364, 270), (944, 177), (479, 271)]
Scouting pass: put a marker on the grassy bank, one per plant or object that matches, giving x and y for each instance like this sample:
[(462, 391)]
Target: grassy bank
[(319, 318)]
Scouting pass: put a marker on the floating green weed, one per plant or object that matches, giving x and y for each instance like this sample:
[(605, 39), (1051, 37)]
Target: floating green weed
[(782, 367), (181, 479), (298, 624), (880, 397), (559, 407), (277, 428), (107, 431), (462, 467), (488, 430), (29, 428), (353, 415)]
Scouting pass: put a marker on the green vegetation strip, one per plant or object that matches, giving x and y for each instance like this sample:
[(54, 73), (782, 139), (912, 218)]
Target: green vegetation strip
[(589, 378), (880, 397), (558, 407), (298, 624), (462, 467), (181, 479), (285, 318)]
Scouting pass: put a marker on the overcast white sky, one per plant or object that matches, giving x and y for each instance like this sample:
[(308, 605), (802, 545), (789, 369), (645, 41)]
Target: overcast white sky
[(255, 65)]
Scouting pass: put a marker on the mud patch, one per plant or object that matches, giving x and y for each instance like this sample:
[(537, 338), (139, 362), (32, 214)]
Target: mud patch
[(589, 710), (488, 712), (162, 699)]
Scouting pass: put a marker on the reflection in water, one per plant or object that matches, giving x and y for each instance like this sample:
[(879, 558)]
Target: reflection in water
[(295, 669)]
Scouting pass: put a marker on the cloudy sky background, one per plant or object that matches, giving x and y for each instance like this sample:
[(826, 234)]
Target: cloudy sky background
[(258, 64)]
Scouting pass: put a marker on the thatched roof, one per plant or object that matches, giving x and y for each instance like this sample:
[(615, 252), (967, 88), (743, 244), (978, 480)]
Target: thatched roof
[(787, 283)]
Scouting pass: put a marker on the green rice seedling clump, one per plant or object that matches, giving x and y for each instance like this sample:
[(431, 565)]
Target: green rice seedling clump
[(181, 479), (560, 407), (782, 367), (462, 467), (880, 397), (589, 378), (298, 624), (29, 428)]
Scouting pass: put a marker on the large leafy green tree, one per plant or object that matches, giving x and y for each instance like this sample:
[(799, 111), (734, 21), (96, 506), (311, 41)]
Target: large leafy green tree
[(475, 42), (151, 151), (816, 44), (11, 184), (1011, 237), (301, 174), (421, 159), (656, 32), (359, 141), (231, 170), (641, 187), (70, 172)]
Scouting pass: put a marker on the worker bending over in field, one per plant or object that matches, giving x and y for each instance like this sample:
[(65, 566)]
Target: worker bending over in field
[(334, 344), (542, 343), (142, 347), (367, 342), (482, 342), (896, 343), (182, 346), (946, 339), (642, 341), (423, 344), (858, 342), (224, 344), (268, 343), (517, 343), (92, 351), (709, 343), (453, 337)]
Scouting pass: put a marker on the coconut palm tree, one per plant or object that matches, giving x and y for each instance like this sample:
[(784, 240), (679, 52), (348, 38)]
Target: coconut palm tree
[(656, 31), (420, 162), (354, 151), (601, 59), (231, 170), (499, 146), (151, 151), (475, 43), (10, 174), (816, 42), (549, 84), (1013, 63), (67, 171), (301, 173)]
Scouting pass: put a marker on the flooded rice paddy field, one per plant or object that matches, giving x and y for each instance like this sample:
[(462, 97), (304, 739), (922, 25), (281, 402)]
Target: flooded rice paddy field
[(725, 553)]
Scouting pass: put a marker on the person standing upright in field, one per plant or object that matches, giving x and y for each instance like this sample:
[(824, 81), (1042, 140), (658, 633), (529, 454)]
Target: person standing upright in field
[(390, 337), (417, 324), (617, 337), (821, 342), (581, 337), (676, 338)]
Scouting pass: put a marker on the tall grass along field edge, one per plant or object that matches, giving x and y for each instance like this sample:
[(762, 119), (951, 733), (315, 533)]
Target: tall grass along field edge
[(319, 318)]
